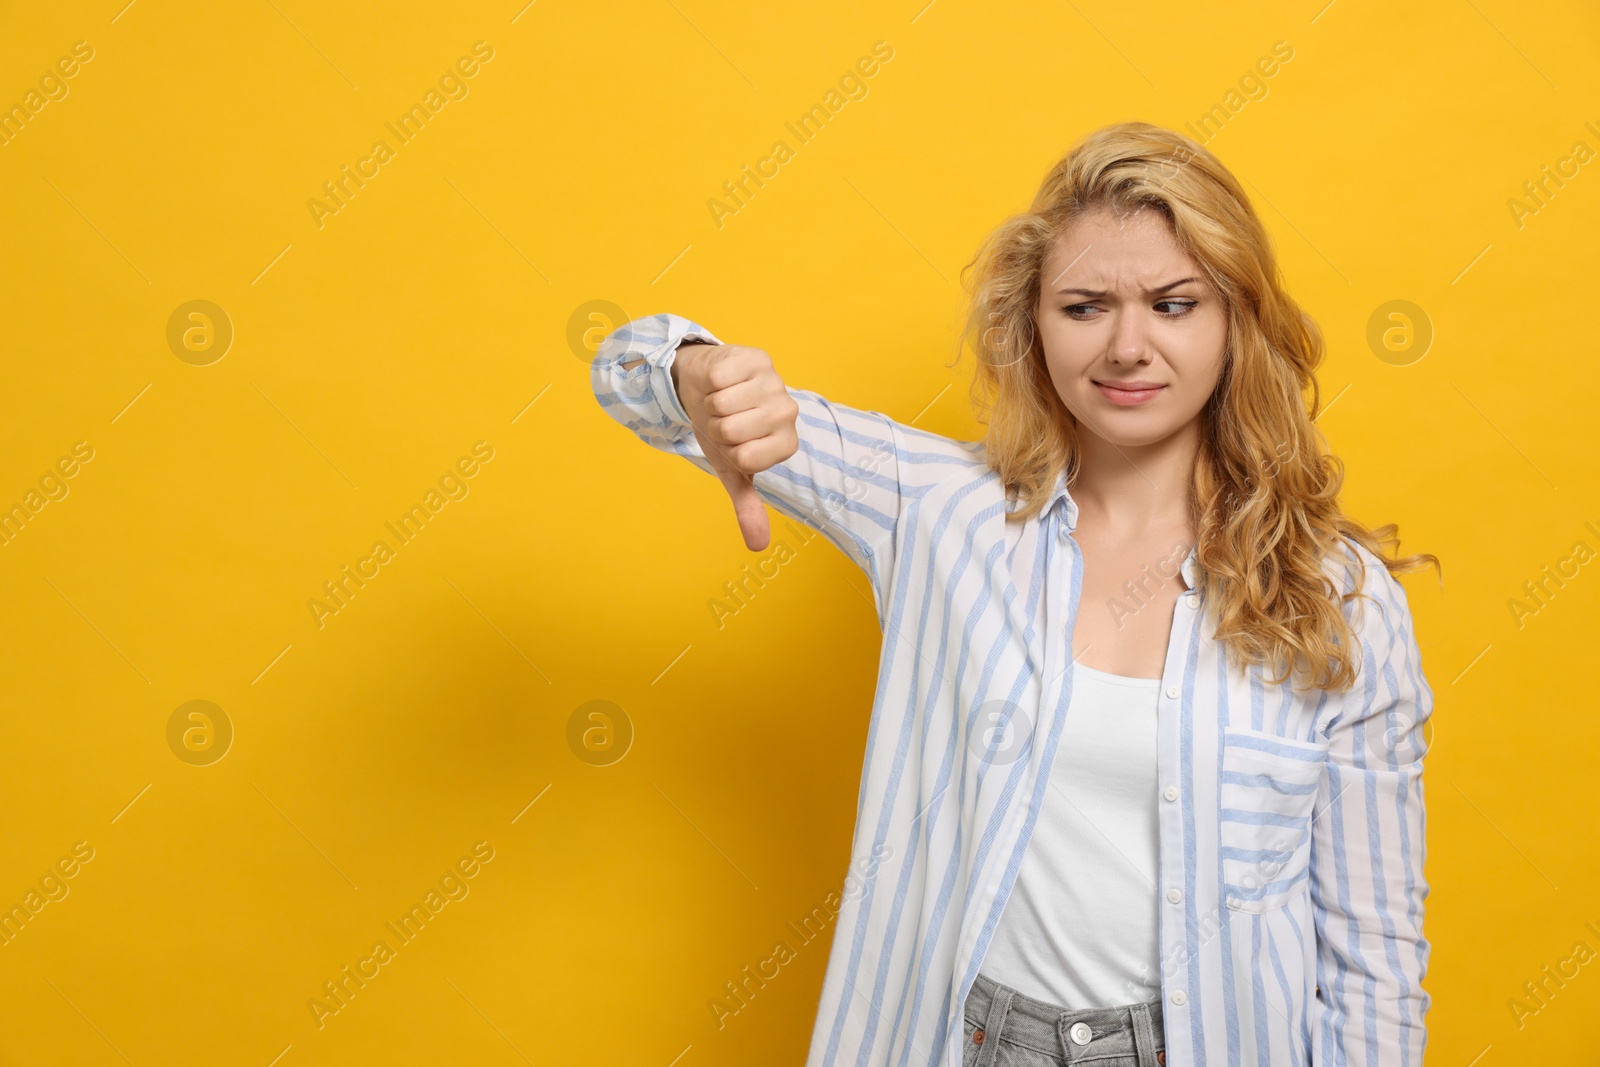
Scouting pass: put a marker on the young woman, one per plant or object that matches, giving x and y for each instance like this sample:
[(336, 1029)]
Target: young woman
[(1146, 751)]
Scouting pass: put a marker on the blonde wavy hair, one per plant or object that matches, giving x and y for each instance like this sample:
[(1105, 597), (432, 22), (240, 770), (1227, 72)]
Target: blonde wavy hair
[(1264, 499)]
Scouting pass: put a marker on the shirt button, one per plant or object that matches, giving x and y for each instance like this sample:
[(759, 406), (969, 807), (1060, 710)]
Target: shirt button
[(1179, 997), (1081, 1033), (1233, 902), (1192, 600), (977, 1037), (1172, 692), (1175, 895), (1171, 792)]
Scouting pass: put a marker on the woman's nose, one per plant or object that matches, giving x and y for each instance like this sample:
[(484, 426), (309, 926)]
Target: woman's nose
[(1129, 340)]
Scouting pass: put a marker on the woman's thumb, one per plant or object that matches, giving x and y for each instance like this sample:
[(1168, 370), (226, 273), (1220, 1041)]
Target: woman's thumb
[(748, 508)]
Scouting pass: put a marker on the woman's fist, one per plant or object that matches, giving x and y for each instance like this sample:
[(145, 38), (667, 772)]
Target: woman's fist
[(744, 420)]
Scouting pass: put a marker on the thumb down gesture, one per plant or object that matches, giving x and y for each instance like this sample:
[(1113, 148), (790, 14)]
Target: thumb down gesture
[(744, 421)]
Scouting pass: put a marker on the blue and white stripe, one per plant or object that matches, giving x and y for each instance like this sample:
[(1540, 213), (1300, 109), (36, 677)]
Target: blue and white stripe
[(1291, 823)]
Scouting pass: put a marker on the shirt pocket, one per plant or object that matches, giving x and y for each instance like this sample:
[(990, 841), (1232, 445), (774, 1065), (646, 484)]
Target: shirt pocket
[(1269, 787)]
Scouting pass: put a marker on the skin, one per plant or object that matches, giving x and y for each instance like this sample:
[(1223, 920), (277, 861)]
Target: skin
[(1137, 462)]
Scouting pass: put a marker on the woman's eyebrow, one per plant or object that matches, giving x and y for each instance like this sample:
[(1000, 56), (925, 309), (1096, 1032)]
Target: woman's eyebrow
[(1148, 292)]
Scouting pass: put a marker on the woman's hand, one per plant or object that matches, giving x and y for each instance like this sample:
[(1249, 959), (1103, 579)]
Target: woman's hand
[(744, 420)]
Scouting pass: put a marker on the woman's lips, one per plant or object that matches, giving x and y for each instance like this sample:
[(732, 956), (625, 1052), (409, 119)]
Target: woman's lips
[(1127, 397)]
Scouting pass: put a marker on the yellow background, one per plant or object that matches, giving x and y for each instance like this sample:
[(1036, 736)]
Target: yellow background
[(434, 308)]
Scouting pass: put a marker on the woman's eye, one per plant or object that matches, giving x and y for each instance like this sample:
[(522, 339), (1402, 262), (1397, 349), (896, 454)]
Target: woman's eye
[(1176, 309)]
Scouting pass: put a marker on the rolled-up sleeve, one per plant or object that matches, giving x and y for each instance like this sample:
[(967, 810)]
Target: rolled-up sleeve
[(844, 481), (1368, 847)]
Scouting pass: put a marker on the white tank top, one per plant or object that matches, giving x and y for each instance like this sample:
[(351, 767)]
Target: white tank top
[(1080, 927)]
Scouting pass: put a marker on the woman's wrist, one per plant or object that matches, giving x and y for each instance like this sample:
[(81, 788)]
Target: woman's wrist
[(688, 350)]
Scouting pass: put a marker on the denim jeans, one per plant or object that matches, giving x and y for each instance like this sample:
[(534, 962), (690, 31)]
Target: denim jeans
[(1004, 1028)]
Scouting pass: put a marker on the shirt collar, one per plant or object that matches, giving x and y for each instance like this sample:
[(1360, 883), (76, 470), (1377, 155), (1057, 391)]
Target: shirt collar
[(1065, 509), (1062, 503)]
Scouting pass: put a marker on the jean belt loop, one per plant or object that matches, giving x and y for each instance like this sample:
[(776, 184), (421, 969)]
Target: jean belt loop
[(1144, 1036), (999, 1007)]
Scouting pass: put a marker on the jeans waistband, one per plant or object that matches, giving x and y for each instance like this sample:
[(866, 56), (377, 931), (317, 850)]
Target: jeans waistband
[(1133, 1030)]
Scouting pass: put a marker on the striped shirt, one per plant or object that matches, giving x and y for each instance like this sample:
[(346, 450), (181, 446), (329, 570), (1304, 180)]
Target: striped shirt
[(1291, 824)]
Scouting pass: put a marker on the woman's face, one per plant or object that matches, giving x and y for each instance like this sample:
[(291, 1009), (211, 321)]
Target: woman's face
[(1133, 336)]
